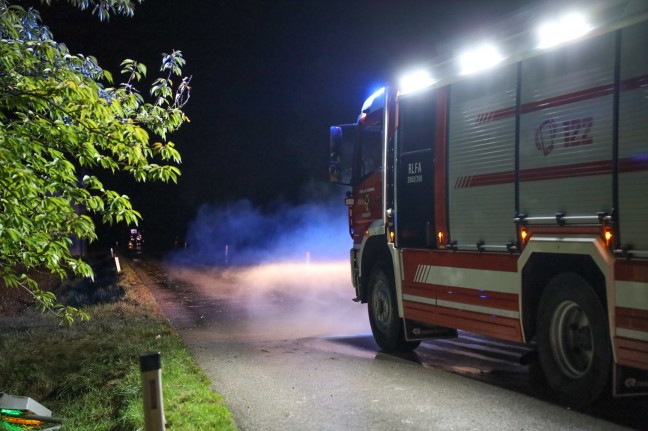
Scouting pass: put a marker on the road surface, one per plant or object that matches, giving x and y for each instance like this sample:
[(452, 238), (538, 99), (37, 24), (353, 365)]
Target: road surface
[(289, 350)]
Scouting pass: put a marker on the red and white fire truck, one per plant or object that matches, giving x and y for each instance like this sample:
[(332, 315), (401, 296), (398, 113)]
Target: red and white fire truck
[(505, 192)]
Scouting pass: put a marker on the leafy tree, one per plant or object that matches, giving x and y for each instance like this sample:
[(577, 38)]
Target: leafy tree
[(63, 124)]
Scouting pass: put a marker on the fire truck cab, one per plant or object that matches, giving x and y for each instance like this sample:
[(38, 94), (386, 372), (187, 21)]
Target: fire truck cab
[(505, 192)]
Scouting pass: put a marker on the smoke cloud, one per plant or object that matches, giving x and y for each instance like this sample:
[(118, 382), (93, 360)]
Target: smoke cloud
[(273, 301), (284, 267), (239, 233)]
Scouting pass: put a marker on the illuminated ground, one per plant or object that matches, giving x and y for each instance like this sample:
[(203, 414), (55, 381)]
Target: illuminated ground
[(289, 350)]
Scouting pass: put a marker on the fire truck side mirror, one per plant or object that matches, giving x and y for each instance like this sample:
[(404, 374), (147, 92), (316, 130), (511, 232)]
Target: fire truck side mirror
[(341, 145), (335, 170)]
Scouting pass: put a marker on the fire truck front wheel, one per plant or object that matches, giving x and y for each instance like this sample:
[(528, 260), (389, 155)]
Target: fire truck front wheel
[(573, 340), (386, 325)]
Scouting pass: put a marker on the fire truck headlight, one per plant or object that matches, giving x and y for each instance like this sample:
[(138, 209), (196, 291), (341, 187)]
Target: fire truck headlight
[(415, 81), (568, 27), (481, 58)]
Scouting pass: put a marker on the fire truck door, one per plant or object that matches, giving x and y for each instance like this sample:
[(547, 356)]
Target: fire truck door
[(414, 196)]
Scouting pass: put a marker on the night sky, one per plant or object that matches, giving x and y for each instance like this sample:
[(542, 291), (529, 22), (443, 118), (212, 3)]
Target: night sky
[(269, 78)]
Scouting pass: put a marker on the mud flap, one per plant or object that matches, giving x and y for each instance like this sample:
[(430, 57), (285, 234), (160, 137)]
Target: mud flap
[(630, 381), (415, 331)]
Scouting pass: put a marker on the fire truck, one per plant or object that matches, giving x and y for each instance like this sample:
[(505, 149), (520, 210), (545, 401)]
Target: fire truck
[(504, 191)]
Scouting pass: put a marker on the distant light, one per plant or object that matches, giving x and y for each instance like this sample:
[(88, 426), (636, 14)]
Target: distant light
[(569, 27), (415, 81), (482, 58)]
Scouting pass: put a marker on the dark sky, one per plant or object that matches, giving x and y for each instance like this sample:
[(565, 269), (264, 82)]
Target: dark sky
[(269, 78)]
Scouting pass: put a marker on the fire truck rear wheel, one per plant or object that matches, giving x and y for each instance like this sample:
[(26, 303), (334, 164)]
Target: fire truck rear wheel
[(386, 325), (573, 340)]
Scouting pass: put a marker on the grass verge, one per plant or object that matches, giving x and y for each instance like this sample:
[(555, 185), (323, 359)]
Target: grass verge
[(89, 375)]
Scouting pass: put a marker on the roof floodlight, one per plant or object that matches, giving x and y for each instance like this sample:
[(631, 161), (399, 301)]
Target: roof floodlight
[(568, 27), (478, 59), (415, 81)]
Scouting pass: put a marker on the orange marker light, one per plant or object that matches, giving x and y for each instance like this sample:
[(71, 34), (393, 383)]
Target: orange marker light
[(22, 421), (440, 237), (391, 236), (608, 236), (524, 235)]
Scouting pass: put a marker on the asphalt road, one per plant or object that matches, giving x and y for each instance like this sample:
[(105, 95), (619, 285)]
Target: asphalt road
[(289, 350)]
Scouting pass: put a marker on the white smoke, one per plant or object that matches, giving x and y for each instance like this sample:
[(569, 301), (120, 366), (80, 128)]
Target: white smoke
[(285, 266), (279, 300)]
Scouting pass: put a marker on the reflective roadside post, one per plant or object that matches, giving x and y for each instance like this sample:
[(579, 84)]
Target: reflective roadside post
[(151, 370)]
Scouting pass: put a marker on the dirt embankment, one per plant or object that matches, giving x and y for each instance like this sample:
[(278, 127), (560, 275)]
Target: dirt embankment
[(75, 292)]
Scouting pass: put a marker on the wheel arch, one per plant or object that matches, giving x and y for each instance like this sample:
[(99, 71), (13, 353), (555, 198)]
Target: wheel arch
[(374, 249), (545, 258)]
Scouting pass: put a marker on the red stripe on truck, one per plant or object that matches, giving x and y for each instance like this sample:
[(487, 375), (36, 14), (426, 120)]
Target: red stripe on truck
[(563, 99), (601, 167)]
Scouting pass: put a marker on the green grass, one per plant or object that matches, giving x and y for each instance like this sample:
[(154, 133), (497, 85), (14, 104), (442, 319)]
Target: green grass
[(89, 374)]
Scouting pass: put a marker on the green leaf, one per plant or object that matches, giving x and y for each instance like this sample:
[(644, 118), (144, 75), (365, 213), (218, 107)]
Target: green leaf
[(56, 116)]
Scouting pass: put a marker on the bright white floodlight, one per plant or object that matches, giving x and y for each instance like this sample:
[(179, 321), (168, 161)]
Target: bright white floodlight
[(569, 27), (415, 81), (481, 58)]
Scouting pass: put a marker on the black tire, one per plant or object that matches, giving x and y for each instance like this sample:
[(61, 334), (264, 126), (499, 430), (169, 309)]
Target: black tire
[(386, 325), (573, 340)]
